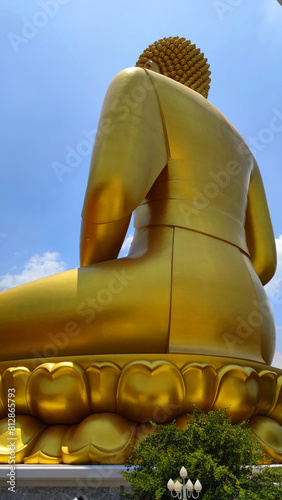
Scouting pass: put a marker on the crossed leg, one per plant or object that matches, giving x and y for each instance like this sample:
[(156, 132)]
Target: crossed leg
[(118, 306)]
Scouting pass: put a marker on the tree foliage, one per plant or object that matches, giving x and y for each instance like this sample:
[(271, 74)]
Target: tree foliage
[(213, 450)]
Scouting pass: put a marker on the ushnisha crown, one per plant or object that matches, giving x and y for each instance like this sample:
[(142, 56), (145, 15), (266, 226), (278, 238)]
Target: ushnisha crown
[(180, 60)]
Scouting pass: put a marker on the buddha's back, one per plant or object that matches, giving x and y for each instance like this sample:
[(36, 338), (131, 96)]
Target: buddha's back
[(202, 196), (205, 185)]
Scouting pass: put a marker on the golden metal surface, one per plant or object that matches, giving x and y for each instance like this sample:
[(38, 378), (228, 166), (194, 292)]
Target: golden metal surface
[(269, 434), (125, 398), (149, 389), (203, 234), (190, 290), (48, 447), (103, 438), (61, 386), (28, 430)]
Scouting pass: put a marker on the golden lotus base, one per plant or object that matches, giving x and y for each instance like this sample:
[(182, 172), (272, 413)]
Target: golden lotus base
[(91, 409)]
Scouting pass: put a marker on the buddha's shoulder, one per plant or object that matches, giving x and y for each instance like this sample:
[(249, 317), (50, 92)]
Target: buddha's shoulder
[(137, 75), (135, 82), (130, 77)]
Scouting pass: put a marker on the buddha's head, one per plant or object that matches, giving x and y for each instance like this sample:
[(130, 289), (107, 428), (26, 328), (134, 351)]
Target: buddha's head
[(180, 60)]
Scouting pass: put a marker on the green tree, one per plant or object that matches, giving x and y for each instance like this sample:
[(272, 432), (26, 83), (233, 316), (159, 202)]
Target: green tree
[(213, 450), (263, 485)]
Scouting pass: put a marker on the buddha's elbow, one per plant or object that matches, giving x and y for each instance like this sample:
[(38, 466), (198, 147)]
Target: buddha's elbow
[(265, 265), (107, 203)]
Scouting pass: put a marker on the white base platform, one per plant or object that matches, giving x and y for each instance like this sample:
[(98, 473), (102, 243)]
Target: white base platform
[(64, 482)]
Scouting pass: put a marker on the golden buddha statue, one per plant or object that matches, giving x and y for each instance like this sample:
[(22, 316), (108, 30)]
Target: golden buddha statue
[(95, 353)]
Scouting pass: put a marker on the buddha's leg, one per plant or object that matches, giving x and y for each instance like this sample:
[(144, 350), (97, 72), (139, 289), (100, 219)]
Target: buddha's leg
[(118, 306)]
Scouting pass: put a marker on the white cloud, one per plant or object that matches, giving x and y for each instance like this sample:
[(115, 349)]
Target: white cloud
[(126, 245), (274, 287), (277, 360), (37, 267)]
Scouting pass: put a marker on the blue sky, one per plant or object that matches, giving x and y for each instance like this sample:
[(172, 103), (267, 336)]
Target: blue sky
[(57, 60)]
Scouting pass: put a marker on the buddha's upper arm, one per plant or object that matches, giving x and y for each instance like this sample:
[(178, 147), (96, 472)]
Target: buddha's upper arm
[(259, 231), (129, 150)]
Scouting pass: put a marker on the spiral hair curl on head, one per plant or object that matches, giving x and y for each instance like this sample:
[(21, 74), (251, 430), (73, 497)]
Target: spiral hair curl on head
[(180, 60)]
